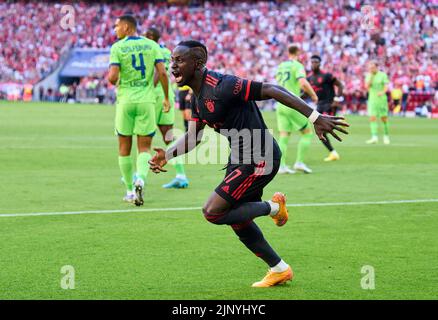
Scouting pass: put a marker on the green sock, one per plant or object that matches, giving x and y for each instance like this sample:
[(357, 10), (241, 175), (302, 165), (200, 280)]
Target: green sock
[(125, 164), (385, 128), (178, 162), (374, 129), (143, 165), (303, 146), (179, 166), (282, 143)]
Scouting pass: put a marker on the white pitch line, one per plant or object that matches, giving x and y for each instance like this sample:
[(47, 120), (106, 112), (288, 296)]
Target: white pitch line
[(327, 204)]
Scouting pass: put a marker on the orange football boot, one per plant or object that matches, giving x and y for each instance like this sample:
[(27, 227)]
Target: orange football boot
[(274, 278), (282, 215)]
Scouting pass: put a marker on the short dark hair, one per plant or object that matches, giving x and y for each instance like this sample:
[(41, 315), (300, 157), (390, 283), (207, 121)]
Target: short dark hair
[(315, 56), (193, 44), (129, 19), (293, 49), (155, 33)]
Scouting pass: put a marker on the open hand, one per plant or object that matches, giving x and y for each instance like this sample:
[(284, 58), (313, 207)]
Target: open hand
[(158, 161), (327, 124)]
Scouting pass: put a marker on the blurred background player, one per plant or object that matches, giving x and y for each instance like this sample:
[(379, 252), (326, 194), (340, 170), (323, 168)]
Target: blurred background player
[(132, 63), (376, 82), (184, 98), (396, 97), (165, 120), (323, 83), (292, 76)]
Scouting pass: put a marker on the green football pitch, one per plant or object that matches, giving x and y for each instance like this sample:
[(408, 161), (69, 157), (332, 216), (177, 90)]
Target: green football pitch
[(364, 227)]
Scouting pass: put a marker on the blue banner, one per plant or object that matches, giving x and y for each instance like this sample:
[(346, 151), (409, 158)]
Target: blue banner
[(86, 62)]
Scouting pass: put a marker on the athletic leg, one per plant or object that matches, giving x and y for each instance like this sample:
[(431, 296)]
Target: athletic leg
[(285, 128), (303, 148), (124, 124), (372, 112), (328, 108), (145, 127), (385, 130), (125, 161)]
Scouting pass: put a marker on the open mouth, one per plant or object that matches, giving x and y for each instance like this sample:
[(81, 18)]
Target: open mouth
[(178, 76)]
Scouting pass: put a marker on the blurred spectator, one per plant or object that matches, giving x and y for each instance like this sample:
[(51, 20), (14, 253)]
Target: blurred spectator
[(41, 93), (101, 91), (244, 38), (63, 92), (396, 97), (50, 95)]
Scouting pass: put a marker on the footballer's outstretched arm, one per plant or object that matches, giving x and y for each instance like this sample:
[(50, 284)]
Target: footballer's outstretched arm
[(188, 141), (183, 145), (323, 124)]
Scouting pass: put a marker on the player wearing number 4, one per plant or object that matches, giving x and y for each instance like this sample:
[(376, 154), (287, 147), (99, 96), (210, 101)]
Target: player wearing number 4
[(292, 76), (227, 104), (132, 63)]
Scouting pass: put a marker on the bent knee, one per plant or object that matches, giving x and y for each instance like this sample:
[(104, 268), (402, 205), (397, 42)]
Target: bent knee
[(213, 216)]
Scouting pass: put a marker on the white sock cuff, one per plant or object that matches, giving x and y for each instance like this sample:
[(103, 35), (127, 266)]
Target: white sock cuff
[(280, 267), (274, 207)]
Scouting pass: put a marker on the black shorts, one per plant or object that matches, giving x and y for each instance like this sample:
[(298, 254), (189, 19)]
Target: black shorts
[(245, 182), (183, 104), (324, 108)]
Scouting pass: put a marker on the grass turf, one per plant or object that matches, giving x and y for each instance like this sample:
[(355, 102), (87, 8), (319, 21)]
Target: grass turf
[(57, 158)]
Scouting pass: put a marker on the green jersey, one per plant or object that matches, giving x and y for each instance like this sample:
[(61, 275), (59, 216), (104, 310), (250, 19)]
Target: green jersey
[(288, 75), (166, 57), (136, 57), (378, 82)]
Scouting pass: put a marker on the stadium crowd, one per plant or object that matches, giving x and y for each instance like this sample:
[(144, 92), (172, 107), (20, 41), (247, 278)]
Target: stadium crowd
[(245, 38)]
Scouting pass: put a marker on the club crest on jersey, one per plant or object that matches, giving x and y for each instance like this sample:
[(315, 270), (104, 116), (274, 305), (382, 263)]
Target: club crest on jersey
[(320, 80), (209, 104)]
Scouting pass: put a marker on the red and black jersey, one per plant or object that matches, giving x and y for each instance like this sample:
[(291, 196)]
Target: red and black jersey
[(323, 85), (227, 104)]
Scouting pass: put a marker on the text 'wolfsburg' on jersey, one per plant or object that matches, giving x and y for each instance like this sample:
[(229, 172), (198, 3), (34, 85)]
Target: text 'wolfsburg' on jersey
[(136, 57), (226, 103)]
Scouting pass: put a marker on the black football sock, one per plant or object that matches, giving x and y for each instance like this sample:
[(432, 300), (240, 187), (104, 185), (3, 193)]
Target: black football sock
[(186, 125), (252, 237), (242, 213)]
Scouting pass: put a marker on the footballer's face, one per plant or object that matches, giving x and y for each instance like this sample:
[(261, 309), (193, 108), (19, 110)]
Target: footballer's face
[(149, 35), (120, 28), (183, 65), (372, 67), (315, 64)]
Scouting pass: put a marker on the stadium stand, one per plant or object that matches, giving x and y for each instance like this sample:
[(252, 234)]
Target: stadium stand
[(244, 38)]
